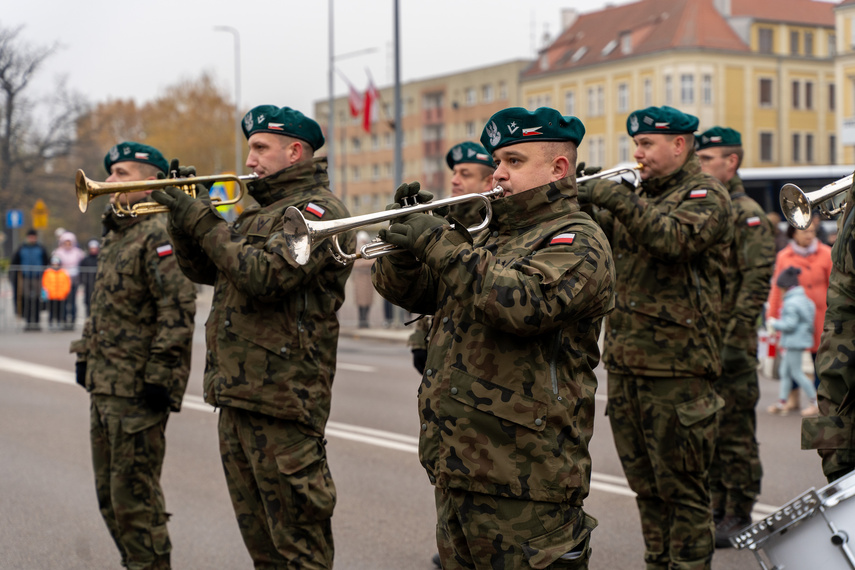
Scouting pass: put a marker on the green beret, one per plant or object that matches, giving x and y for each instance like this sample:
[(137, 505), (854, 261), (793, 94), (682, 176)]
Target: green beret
[(468, 152), (285, 121), (662, 120), (517, 125), (719, 136), (135, 152)]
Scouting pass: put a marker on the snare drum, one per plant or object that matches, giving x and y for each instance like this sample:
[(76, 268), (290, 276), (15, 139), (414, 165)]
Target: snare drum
[(811, 532)]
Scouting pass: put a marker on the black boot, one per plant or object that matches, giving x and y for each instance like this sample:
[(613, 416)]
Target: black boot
[(729, 525)]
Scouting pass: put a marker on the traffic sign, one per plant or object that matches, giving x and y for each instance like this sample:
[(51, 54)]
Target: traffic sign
[(40, 215), (14, 219)]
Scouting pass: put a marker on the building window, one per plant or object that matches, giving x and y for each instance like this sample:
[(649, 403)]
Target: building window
[(375, 172), (687, 89), (470, 129), (765, 147), (706, 89), (623, 148), (625, 43), (470, 96), (669, 99), (831, 97), (487, 93), (375, 142), (765, 40), (387, 140), (355, 145), (797, 144), (570, 103), (796, 92), (503, 90), (808, 94), (623, 97), (433, 100), (832, 149), (592, 102), (809, 148), (648, 92), (809, 44), (794, 43), (354, 174), (601, 102), (765, 92), (832, 45)]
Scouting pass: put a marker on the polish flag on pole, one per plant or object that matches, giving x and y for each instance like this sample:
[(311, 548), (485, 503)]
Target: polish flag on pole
[(354, 97), (370, 107)]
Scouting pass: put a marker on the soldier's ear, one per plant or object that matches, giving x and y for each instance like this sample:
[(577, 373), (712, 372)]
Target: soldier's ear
[(560, 167)]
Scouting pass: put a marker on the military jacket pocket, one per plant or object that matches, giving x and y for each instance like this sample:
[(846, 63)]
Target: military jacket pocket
[(663, 313), (695, 433), (307, 486), (261, 332), (828, 432), (495, 439)]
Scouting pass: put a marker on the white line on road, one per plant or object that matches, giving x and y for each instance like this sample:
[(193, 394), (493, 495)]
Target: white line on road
[(379, 438)]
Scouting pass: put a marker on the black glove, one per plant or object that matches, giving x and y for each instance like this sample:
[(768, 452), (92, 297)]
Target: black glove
[(185, 212), (156, 397), (582, 171), (410, 194), (406, 233), (420, 359), (80, 372)]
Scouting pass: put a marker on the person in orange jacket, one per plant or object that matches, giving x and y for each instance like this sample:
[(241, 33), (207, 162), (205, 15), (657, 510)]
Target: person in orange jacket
[(56, 285)]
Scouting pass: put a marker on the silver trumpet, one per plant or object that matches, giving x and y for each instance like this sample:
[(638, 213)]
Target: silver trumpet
[(617, 171), (301, 233), (798, 205)]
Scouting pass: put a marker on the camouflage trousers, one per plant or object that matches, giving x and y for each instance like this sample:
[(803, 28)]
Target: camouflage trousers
[(736, 472), (128, 444), (487, 532), (664, 431), (281, 490)]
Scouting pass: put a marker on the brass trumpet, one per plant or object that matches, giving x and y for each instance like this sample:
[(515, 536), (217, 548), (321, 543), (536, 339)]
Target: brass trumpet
[(87, 189), (798, 205), (300, 233)]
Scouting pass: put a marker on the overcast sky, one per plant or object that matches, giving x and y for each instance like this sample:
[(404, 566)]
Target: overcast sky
[(111, 49)]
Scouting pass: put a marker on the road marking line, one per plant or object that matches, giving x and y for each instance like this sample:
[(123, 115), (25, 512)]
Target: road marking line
[(379, 438)]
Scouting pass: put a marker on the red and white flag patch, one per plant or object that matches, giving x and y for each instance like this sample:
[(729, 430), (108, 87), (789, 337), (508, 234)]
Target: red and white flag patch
[(313, 208), (562, 239), (275, 126), (698, 194), (164, 250), (753, 221)]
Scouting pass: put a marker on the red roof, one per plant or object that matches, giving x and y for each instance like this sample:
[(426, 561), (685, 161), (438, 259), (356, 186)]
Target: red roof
[(660, 25), (652, 25), (806, 12)]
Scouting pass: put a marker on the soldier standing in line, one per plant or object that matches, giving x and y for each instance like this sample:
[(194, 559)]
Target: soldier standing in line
[(134, 359), (832, 433), (271, 336), (472, 173), (506, 403), (663, 347), (736, 472)]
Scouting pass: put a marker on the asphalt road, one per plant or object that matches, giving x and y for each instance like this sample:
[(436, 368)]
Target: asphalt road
[(384, 518)]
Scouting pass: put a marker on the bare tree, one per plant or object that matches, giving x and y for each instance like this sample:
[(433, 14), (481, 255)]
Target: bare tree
[(31, 131)]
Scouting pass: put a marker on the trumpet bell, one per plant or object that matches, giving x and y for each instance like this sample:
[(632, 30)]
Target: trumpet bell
[(796, 206), (296, 230)]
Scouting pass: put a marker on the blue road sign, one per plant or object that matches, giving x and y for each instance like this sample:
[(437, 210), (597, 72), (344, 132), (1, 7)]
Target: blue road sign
[(14, 219)]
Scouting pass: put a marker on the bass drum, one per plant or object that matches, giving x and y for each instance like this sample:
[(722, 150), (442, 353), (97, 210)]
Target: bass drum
[(814, 531)]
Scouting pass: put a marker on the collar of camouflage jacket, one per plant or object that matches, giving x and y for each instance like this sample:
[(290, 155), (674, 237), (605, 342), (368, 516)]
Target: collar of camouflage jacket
[(734, 185), (666, 184), (536, 205), (295, 178), (113, 222)]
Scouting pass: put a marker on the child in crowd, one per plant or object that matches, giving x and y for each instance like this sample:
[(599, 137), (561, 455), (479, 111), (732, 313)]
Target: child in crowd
[(56, 285), (796, 326)]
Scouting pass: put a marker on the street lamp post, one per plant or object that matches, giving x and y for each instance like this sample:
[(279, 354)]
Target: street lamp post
[(238, 132)]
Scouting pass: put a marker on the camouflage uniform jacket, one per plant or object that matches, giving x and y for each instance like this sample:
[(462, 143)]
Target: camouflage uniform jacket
[(833, 432), (272, 332), (670, 243), (749, 269), (506, 404), (140, 328)]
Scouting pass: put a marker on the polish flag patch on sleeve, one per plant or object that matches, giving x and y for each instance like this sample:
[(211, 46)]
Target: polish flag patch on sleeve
[(313, 208), (753, 221), (164, 250), (698, 194), (562, 239)]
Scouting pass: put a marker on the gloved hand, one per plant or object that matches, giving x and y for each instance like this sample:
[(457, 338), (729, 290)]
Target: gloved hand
[(581, 170), (420, 359), (411, 193), (80, 372), (411, 232), (735, 359), (186, 212), (156, 397), (770, 325)]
